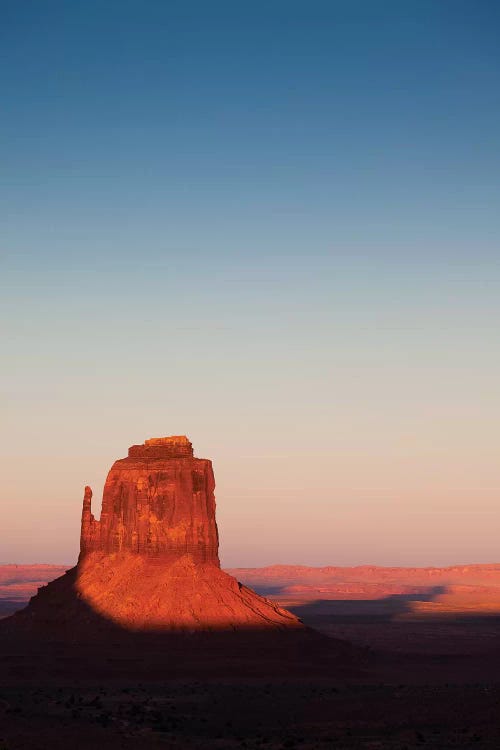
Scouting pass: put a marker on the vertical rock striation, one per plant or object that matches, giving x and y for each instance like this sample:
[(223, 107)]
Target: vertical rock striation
[(159, 502)]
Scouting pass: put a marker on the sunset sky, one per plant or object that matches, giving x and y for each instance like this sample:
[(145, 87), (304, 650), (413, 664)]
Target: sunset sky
[(270, 226)]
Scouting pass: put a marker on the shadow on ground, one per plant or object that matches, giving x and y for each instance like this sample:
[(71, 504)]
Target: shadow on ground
[(386, 609), (58, 635)]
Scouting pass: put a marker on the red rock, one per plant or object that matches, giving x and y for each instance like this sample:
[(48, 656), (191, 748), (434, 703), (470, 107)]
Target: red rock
[(158, 501), (143, 593), (150, 563)]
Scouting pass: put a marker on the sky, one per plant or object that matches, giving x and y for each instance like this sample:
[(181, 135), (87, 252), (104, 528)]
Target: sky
[(270, 226)]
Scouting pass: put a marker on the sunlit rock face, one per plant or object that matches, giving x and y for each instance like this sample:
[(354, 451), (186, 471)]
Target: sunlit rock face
[(158, 502), (137, 592), (151, 561)]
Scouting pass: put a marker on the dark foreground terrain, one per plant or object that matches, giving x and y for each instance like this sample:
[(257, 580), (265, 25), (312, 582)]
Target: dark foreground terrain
[(423, 672), (424, 684), (264, 714)]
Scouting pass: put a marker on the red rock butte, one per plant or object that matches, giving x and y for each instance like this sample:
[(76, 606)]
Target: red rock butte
[(150, 563), (158, 502)]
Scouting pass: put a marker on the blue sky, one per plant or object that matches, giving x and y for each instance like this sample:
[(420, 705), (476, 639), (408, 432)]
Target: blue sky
[(271, 226)]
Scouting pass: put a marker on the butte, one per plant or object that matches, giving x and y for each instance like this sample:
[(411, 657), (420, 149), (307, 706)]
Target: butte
[(151, 561), (148, 583)]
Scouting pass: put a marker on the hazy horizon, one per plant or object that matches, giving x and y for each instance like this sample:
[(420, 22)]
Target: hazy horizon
[(273, 228)]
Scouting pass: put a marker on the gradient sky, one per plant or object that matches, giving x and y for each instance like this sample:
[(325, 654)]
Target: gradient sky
[(274, 227)]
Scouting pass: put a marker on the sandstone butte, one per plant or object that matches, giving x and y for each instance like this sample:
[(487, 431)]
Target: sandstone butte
[(150, 563)]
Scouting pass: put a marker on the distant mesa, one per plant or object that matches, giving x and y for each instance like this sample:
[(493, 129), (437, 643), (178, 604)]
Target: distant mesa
[(150, 563)]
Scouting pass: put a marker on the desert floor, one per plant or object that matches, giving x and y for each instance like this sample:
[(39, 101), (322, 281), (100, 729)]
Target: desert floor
[(427, 676)]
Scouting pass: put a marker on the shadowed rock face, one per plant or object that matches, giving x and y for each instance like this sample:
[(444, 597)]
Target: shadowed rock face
[(159, 501)]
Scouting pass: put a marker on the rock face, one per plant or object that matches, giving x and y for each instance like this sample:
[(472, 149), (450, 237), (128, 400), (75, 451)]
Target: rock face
[(150, 563), (157, 502)]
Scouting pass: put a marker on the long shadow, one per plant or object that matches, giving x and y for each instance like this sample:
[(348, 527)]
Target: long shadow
[(268, 590), (59, 635), (343, 611)]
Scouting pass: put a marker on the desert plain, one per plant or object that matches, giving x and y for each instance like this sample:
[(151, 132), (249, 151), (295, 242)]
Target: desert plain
[(148, 643), (423, 672)]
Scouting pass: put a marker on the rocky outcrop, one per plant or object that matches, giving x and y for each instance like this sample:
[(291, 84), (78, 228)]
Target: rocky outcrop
[(159, 501), (151, 561), (140, 593)]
